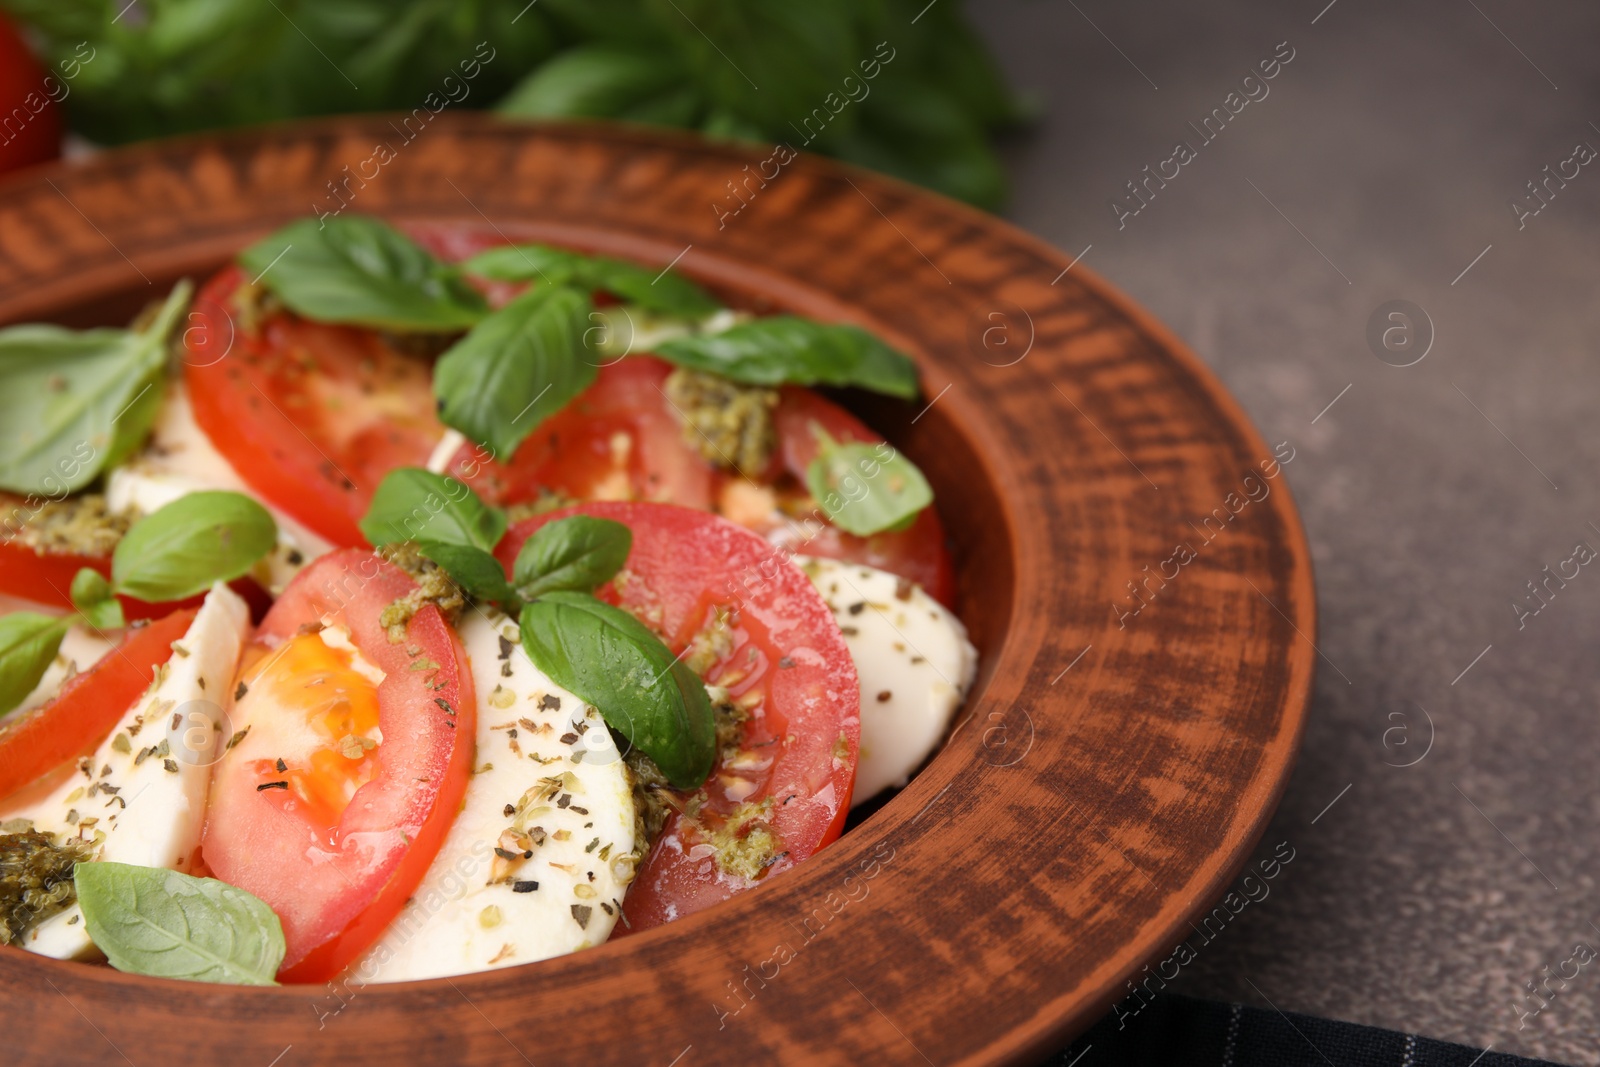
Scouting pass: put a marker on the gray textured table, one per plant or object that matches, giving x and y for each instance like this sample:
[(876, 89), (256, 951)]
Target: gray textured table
[(1382, 164)]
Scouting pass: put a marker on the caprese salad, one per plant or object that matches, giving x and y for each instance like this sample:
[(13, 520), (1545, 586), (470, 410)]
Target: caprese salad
[(410, 604)]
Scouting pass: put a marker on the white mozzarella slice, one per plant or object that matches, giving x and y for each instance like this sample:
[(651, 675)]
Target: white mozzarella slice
[(180, 459), (914, 661), (142, 796), (445, 451), (624, 328), (547, 758), (80, 649)]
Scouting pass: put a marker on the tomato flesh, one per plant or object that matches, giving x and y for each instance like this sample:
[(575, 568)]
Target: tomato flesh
[(618, 440), (312, 416), (783, 660), (334, 803), (88, 706), (917, 553)]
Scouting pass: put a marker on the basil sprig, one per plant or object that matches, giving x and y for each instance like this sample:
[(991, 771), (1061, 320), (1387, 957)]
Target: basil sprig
[(356, 269), (788, 349), (664, 292), (522, 363), (865, 488), (448, 523), (148, 920), (73, 402), (172, 553), (599, 652), (516, 368)]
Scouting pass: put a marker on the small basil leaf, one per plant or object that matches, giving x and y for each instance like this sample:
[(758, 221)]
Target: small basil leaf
[(71, 402), (355, 269), (866, 488), (148, 920), (473, 569), (413, 504), (92, 596), (106, 615), (788, 349), (577, 553), (663, 292), (89, 588), (516, 368), (28, 642), (180, 549), (612, 661)]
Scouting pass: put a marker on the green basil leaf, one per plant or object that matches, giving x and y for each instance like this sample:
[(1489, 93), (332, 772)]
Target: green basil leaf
[(179, 550), (89, 587), (473, 569), (612, 661), (577, 553), (72, 402), (525, 263), (664, 292), (788, 349), (148, 920), (413, 504), (592, 81), (28, 642), (866, 488), (355, 269), (516, 368), (92, 596)]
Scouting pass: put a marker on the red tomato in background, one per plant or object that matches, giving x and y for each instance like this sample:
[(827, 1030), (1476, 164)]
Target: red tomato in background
[(332, 832), (786, 663), (311, 415), (89, 704), (24, 92)]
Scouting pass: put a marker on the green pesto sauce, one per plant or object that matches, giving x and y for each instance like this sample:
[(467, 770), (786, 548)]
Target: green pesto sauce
[(727, 423), (433, 587), (80, 525), (35, 880)]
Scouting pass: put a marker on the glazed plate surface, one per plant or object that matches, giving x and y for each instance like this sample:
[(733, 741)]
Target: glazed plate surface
[(1130, 564)]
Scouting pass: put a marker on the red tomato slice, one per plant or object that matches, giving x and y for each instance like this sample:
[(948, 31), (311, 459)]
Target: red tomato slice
[(917, 553), (619, 439), (337, 839), (311, 415), (88, 706), (32, 130), (785, 661)]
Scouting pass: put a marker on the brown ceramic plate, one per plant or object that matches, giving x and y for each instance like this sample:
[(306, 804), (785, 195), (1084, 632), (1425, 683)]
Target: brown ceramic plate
[(1112, 771)]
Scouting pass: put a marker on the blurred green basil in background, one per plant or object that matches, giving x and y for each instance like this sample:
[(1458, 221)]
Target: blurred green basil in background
[(902, 86)]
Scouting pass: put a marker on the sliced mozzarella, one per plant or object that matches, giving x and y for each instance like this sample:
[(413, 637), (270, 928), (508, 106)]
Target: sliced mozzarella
[(547, 781), (181, 459), (445, 451), (142, 796), (625, 328), (914, 661)]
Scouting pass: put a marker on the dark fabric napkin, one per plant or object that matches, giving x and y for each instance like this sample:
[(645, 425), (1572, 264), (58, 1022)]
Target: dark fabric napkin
[(1179, 1030)]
